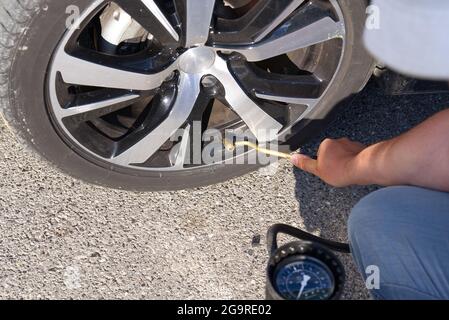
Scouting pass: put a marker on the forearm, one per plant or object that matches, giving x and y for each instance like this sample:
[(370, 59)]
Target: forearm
[(419, 157)]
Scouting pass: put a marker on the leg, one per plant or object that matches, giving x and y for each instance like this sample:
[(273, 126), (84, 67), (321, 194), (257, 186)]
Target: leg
[(404, 231)]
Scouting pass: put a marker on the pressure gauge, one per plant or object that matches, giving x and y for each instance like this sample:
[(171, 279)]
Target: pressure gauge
[(304, 270)]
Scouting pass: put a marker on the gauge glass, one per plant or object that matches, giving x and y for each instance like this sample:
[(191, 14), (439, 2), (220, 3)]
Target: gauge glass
[(305, 278)]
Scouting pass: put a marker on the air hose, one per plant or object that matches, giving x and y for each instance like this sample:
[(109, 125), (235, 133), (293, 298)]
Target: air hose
[(231, 146), (302, 235), (282, 228)]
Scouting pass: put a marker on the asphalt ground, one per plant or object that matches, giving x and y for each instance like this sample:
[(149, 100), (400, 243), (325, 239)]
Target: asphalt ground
[(64, 239)]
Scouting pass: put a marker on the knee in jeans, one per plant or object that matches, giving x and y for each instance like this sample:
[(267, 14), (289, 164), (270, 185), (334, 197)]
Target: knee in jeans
[(372, 212)]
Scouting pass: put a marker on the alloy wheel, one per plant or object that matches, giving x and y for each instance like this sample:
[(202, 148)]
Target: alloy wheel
[(130, 74)]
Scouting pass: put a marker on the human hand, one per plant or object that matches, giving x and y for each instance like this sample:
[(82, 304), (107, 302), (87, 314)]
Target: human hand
[(335, 162)]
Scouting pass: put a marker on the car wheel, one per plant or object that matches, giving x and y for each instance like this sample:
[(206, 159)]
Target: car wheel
[(114, 92)]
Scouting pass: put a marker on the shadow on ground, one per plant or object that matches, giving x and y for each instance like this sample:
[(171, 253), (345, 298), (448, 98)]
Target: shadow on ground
[(371, 117)]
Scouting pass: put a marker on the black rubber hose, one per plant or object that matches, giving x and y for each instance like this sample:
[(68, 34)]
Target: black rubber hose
[(302, 235)]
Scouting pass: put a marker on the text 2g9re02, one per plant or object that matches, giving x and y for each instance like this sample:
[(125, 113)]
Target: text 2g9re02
[(246, 309)]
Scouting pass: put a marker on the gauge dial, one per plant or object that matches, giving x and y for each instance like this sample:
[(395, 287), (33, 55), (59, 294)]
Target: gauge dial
[(304, 278)]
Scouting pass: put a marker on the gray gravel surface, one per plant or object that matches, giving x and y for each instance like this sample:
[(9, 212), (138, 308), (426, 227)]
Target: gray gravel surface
[(62, 238)]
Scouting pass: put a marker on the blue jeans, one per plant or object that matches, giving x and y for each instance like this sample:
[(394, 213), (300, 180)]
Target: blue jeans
[(404, 231)]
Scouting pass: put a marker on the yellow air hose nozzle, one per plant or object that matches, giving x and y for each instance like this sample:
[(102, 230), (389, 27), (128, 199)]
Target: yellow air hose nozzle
[(231, 146)]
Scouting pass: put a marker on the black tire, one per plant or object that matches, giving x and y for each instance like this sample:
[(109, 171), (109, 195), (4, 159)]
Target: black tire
[(29, 32)]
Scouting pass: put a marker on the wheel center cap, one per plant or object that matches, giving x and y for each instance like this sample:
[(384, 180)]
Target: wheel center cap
[(197, 60)]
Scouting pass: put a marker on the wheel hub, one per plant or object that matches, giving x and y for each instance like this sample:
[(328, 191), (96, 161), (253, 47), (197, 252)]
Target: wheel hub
[(197, 60)]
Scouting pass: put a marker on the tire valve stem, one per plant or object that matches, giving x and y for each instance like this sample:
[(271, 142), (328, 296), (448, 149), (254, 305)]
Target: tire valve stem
[(231, 146)]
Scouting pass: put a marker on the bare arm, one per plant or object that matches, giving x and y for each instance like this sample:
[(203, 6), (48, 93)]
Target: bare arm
[(419, 157)]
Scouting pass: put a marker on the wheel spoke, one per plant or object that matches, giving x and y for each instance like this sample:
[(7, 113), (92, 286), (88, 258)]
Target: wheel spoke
[(290, 40), (279, 19), (150, 16), (273, 83), (260, 123), (188, 91), (197, 17), (82, 72), (310, 103), (181, 150), (84, 112), (261, 18)]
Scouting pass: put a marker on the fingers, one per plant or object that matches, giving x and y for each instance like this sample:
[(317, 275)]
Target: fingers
[(305, 163)]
